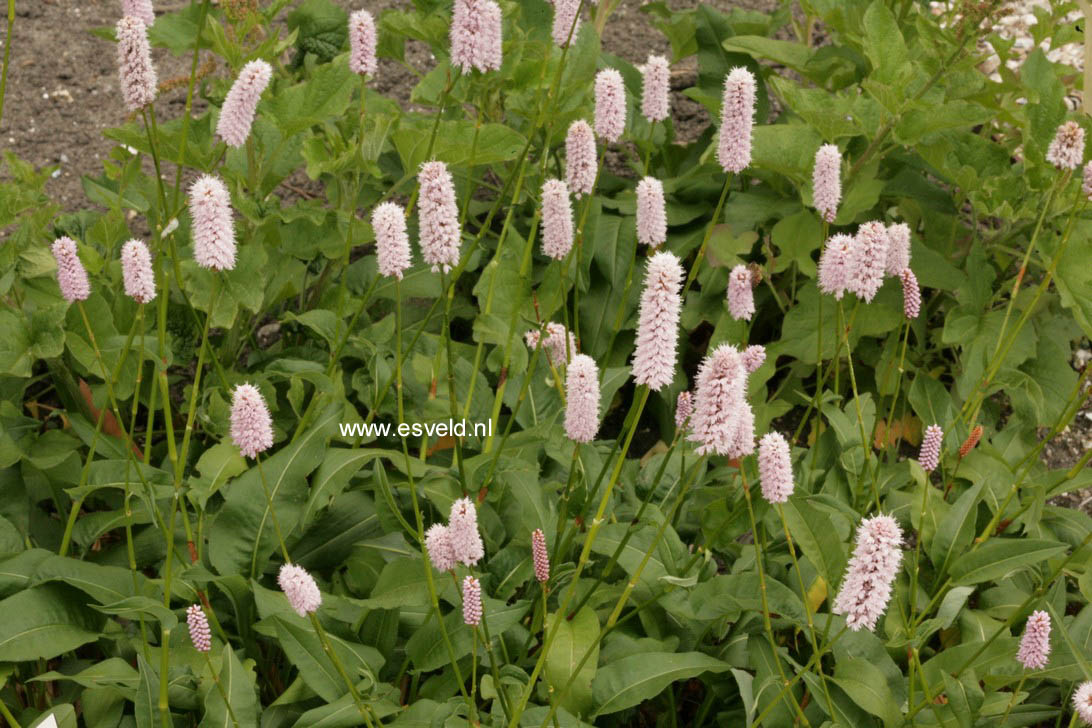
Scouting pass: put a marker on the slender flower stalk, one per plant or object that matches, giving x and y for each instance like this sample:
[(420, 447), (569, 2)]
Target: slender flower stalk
[(441, 553), (1066, 150), (213, 227), (834, 266), (867, 260), (582, 399), (136, 271), (1034, 652), (539, 556), (472, 601), (476, 36), (774, 468), (138, 78), (198, 623), (139, 9), (241, 103), (462, 527), (439, 217), (71, 275), (362, 43), (911, 294), (658, 325), (557, 219), (651, 213), (610, 105), (929, 456), (827, 181), (251, 425), (736, 120), (741, 297), (656, 88), (300, 589), (581, 165), (866, 588), (392, 248)]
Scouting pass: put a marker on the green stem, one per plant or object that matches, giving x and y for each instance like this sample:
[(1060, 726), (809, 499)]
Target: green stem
[(272, 515), (7, 56), (692, 276)]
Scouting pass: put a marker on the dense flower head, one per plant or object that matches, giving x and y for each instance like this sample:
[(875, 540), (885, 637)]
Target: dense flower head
[(582, 399), (462, 529), (438, 544), (300, 589), (1082, 701), (1066, 150), (658, 322), (610, 105), (774, 467), (929, 456), (898, 249), (539, 555), (476, 36), (753, 357), (1034, 649), (866, 588), (139, 9), (136, 271), (438, 215), (1086, 181), (200, 635), (71, 275), (834, 265), (392, 248), (559, 344), (651, 213), (971, 441), (557, 219), (138, 79), (656, 89), (737, 118), (472, 601), (581, 164), (362, 43), (720, 422), (911, 294), (251, 425), (684, 407), (566, 20), (741, 297), (826, 181), (213, 227), (867, 260), (237, 114)]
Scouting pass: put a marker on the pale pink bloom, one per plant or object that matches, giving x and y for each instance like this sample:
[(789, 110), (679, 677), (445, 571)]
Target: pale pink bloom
[(71, 275), (213, 227), (462, 529), (651, 213), (753, 357), (251, 425), (1082, 701), (476, 34), (658, 322), (867, 259), (438, 544), (539, 556), (826, 181), (1086, 181), (566, 21), (737, 116), (1035, 645), (438, 216), (834, 265), (300, 588), (139, 9), (581, 165), (684, 407), (929, 455), (136, 271), (200, 635), (362, 43), (559, 344), (582, 399), (720, 421), (774, 467), (392, 248), (237, 113), (557, 219), (866, 588), (911, 294), (138, 79), (472, 601), (655, 89), (610, 105), (741, 296), (898, 249), (1066, 150)]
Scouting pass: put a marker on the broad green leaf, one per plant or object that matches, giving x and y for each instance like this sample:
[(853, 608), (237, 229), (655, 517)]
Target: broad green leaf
[(238, 683), (1000, 557), (45, 621), (305, 650), (814, 533), (868, 689), (146, 702), (574, 639), (631, 680), (956, 531)]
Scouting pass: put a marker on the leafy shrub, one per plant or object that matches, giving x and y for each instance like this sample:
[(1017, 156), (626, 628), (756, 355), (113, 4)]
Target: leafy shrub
[(673, 593)]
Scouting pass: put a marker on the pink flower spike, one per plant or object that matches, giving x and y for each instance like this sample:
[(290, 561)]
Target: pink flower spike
[(867, 259), (251, 425), (472, 601), (741, 297), (438, 215), (866, 588), (655, 89), (71, 275), (1066, 150), (826, 181), (241, 103), (566, 21), (362, 43), (1086, 181), (539, 556), (139, 9), (610, 105), (753, 357), (136, 271), (554, 344), (658, 322), (929, 455), (898, 249), (1082, 701), (476, 36), (1035, 644), (581, 165), (684, 407), (774, 467), (834, 266), (438, 544), (200, 635), (557, 219), (737, 118), (582, 399), (138, 78), (300, 588), (722, 417), (213, 227), (462, 528), (651, 213), (911, 294), (392, 248)]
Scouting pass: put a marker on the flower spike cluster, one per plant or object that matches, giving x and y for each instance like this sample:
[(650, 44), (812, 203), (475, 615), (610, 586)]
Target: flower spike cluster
[(438, 215), (138, 78), (539, 556), (241, 103), (557, 219), (867, 260), (684, 407), (392, 248), (300, 588), (213, 227), (139, 9), (581, 164), (737, 118), (71, 275), (723, 422), (582, 399), (566, 20), (651, 213), (1066, 150), (898, 249), (1082, 701), (462, 529), (658, 325), (826, 181), (198, 623), (656, 88), (438, 544), (476, 36), (929, 456), (610, 105), (774, 468), (866, 588), (251, 425), (362, 43), (136, 271), (834, 265), (472, 601), (555, 343), (1034, 650), (753, 357), (741, 297), (911, 294)]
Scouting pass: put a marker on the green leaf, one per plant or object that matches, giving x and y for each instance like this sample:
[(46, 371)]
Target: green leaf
[(238, 683), (304, 649), (323, 96), (867, 687), (999, 557), (45, 621), (633, 679), (796, 238), (104, 584), (884, 44), (145, 704), (956, 531), (814, 533), (573, 639)]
